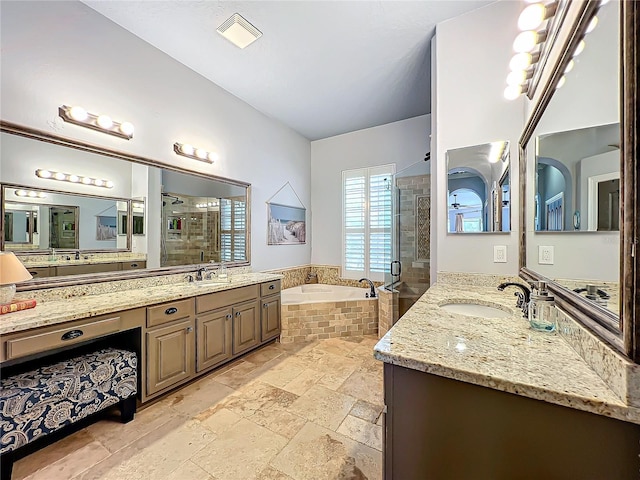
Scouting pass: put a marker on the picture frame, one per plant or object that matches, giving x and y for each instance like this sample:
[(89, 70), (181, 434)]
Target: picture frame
[(286, 225), (106, 228)]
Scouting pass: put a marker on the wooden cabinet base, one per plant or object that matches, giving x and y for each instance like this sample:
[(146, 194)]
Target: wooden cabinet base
[(438, 428)]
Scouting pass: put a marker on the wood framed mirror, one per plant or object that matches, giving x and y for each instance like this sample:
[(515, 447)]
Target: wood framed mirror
[(154, 219), (612, 255)]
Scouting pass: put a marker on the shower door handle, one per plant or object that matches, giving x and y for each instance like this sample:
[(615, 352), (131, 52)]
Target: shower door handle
[(396, 262)]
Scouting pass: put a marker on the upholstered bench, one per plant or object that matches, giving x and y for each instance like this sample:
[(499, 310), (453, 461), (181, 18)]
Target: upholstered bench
[(42, 401)]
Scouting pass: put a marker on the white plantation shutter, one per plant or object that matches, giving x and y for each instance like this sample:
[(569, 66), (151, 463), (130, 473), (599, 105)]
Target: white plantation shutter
[(366, 222), (233, 220)]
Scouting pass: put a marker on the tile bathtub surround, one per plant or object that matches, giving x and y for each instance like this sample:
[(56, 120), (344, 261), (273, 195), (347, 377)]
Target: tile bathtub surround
[(61, 293), (308, 411), (293, 276), (327, 274), (388, 310), (310, 321), (503, 354)]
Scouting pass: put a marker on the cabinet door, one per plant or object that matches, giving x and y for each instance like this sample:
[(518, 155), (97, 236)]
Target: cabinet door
[(246, 326), (270, 316), (213, 338), (170, 355)]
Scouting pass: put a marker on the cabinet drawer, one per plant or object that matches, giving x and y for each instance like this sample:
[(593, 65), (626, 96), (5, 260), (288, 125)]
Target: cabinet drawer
[(213, 301), (134, 265), (269, 288), (40, 342), (168, 312)]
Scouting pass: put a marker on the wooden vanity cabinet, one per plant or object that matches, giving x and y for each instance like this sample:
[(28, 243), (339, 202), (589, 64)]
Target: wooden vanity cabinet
[(246, 326), (270, 312), (170, 345), (213, 338)]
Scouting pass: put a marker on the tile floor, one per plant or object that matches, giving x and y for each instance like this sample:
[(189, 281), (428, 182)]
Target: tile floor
[(295, 411)]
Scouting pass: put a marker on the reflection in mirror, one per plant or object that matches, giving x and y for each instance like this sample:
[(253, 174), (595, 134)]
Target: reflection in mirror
[(578, 180), (479, 191), (574, 161), (65, 228)]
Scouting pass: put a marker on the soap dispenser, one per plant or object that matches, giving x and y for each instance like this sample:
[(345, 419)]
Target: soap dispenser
[(542, 309)]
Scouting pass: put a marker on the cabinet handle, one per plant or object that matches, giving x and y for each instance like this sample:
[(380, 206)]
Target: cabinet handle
[(189, 329), (237, 314), (33, 273), (134, 265), (170, 311), (72, 334), (271, 287), (265, 305), (229, 316)]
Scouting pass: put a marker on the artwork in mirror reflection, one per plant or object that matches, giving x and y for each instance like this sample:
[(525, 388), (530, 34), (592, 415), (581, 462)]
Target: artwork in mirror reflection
[(578, 180), (478, 186)]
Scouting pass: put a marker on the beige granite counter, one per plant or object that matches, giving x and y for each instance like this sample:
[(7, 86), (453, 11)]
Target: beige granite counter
[(52, 312), (92, 259), (503, 354)]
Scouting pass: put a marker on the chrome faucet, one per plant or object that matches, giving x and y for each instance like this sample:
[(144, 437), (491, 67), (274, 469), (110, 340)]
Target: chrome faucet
[(77, 255), (201, 273), (594, 294), (372, 293), (523, 297)]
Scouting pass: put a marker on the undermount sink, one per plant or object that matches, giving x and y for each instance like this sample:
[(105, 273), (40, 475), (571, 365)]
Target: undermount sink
[(475, 310)]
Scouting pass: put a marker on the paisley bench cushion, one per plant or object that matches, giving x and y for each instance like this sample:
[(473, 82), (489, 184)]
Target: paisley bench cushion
[(41, 401)]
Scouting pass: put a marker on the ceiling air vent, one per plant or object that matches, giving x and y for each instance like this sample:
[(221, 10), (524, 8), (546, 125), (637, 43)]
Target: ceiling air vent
[(239, 31)]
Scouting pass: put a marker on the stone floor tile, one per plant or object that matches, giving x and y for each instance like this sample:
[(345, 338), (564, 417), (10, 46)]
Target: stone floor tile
[(362, 431), (258, 396), (283, 373), (72, 464), (189, 471), (366, 411), (271, 473), (238, 375), (303, 382), (221, 421), (51, 454), (317, 453), (263, 355), (281, 422), (323, 406), (364, 386), (241, 452), (337, 346)]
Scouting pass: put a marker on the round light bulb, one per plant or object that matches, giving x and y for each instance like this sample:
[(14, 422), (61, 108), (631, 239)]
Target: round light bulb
[(603, 2), (525, 41), (201, 153), (520, 61), (561, 82), (127, 128), (570, 66), (21, 193), (41, 195), (74, 178), (512, 92), (86, 181), (579, 48), (213, 156), (532, 17), (108, 184), (186, 149), (517, 77), (98, 183), (104, 121), (44, 173), (592, 25), (59, 176), (32, 194), (78, 113)]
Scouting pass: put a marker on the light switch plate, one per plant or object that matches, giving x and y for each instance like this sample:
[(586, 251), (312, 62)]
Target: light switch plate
[(499, 254), (545, 255)]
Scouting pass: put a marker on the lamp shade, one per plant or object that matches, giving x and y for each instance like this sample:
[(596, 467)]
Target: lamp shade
[(11, 269)]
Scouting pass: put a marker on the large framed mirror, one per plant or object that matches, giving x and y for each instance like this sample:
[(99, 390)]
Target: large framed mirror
[(579, 189), (478, 189), (142, 218)]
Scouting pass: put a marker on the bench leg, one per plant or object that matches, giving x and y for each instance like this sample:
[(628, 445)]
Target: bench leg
[(127, 409), (6, 466)]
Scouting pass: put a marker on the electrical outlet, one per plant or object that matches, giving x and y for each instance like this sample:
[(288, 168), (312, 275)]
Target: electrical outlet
[(499, 254), (545, 255)]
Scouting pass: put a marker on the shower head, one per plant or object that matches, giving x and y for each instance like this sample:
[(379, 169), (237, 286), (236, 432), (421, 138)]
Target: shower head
[(177, 201)]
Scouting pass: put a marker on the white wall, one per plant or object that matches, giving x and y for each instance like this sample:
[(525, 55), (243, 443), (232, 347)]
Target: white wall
[(56, 53), (403, 143), (471, 57)]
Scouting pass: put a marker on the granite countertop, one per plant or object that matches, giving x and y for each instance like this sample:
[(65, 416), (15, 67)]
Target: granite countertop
[(64, 310), (499, 353), (82, 261)]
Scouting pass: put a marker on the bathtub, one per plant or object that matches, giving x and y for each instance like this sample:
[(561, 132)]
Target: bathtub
[(322, 293), (318, 311)]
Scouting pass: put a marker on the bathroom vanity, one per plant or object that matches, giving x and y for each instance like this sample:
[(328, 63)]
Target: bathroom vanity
[(489, 398), (180, 331)]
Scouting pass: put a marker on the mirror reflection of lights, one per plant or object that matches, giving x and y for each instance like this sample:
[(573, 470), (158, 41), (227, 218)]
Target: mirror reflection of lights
[(29, 193), (72, 178)]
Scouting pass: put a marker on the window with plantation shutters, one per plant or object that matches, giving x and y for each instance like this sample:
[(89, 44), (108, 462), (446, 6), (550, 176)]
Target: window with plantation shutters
[(366, 222), (233, 220)]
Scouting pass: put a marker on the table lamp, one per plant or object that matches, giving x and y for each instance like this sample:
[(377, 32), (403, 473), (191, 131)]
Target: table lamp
[(11, 272)]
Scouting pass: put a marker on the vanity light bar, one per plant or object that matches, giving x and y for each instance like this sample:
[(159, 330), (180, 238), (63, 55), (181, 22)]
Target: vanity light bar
[(30, 194), (71, 178), (190, 151), (207, 205), (102, 123)]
